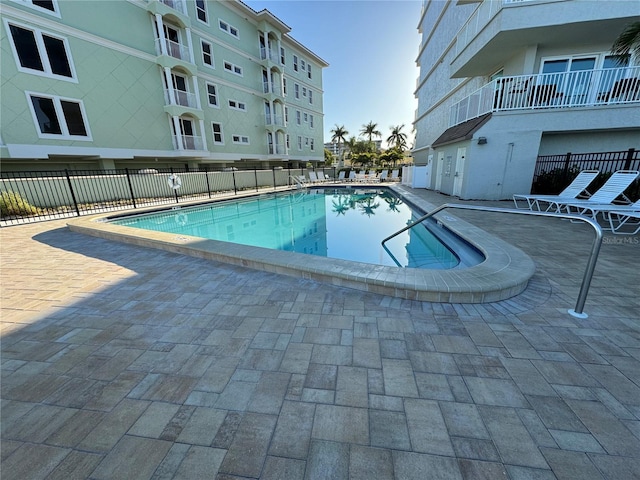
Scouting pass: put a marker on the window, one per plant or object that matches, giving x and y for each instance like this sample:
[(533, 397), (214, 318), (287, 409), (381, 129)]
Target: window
[(309, 70), (212, 95), (207, 53), (218, 138), (306, 117), (299, 142), (304, 91), (286, 114), (284, 86), (311, 121), (225, 27), (296, 90), (230, 67), (237, 105), (298, 121), (41, 53), (201, 10), (282, 56), (303, 65), (310, 96), (295, 63), (311, 144), (288, 140), (58, 117), (51, 6), (241, 139)]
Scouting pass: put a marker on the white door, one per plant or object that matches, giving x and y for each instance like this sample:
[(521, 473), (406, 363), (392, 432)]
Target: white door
[(458, 176), (440, 171)]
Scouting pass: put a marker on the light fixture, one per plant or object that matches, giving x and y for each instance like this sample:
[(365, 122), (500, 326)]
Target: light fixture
[(482, 140)]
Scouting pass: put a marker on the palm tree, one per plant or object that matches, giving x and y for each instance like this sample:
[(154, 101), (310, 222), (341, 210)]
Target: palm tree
[(339, 134), (370, 130), (397, 138), (628, 41)]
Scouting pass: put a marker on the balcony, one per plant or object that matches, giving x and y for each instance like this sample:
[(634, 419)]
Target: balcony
[(182, 98), (177, 5), (277, 150), (272, 88), (269, 54), (498, 30), (189, 142), (277, 120), (173, 49), (611, 86)]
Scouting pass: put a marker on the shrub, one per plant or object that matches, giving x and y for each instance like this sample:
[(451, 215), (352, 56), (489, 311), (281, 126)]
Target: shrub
[(12, 203)]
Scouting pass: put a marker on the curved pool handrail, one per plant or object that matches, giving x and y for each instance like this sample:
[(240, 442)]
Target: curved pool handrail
[(593, 257)]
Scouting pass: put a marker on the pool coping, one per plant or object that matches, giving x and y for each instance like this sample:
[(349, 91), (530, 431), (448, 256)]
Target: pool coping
[(504, 273)]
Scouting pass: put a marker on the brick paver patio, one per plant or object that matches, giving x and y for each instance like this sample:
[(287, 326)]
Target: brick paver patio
[(120, 362)]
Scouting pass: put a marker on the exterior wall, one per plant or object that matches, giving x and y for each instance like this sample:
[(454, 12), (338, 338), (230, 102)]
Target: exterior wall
[(120, 81), (513, 45)]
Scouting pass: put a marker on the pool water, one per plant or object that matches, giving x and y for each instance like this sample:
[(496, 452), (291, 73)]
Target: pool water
[(344, 223)]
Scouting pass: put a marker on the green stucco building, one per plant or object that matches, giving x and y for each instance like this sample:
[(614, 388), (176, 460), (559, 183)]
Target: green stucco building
[(104, 84)]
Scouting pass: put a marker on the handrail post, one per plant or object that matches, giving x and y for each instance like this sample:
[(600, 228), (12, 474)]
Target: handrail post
[(591, 263)]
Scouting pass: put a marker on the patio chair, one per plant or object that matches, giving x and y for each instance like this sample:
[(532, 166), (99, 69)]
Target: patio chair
[(395, 175), (619, 219), (576, 187), (341, 176), (352, 176), (603, 199), (313, 178), (383, 175)]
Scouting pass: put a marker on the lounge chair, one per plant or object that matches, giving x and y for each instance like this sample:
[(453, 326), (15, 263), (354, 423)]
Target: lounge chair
[(619, 219), (395, 175), (603, 199), (383, 175), (352, 176), (341, 176), (576, 187)]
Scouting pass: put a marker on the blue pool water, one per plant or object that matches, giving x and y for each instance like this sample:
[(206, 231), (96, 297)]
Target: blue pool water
[(344, 223)]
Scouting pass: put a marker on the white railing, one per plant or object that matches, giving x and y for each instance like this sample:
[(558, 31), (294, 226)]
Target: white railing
[(190, 142), (479, 19), (274, 120), (174, 49), (277, 150), (177, 5), (274, 88), (551, 90), (273, 56), (186, 99)]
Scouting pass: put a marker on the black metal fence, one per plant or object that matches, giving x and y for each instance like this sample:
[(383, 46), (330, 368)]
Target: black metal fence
[(554, 172), (35, 196)]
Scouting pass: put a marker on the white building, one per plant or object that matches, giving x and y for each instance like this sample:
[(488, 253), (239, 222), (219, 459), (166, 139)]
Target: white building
[(503, 81)]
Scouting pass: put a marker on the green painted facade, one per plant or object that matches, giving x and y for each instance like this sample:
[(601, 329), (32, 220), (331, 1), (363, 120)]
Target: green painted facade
[(122, 100)]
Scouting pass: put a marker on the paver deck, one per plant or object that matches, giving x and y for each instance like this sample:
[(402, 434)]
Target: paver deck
[(125, 362)]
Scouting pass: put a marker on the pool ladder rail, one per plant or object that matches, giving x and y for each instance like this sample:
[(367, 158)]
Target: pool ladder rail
[(578, 311), (299, 181)]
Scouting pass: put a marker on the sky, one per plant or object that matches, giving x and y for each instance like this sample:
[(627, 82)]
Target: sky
[(371, 47)]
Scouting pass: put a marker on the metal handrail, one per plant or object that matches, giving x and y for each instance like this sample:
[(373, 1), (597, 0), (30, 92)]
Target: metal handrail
[(593, 257)]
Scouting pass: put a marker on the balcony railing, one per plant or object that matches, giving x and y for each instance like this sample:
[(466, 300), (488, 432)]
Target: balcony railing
[(479, 19), (190, 142), (185, 99), (273, 56), (551, 90), (174, 49), (177, 5), (274, 120), (277, 150), (274, 88)]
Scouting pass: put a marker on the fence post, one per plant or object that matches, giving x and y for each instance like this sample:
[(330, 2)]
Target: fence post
[(235, 187), (273, 169), (566, 162), (73, 195), (627, 163), (206, 176), (255, 174), (133, 198)]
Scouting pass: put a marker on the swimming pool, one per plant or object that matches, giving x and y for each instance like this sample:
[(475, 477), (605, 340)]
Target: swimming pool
[(504, 272), (339, 223)]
